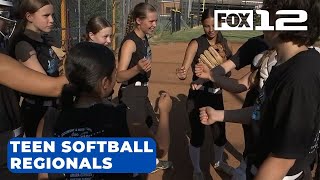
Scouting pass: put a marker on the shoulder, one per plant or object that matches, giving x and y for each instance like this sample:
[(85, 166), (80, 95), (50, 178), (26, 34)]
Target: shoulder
[(256, 41), (257, 38), (128, 45), (129, 42), (130, 36), (193, 43), (23, 41), (24, 50), (302, 71), (200, 38), (23, 45), (308, 60), (32, 35), (254, 46)]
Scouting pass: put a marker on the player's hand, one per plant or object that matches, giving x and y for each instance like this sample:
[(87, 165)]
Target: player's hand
[(181, 73), (144, 65), (208, 115), (165, 103), (202, 71)]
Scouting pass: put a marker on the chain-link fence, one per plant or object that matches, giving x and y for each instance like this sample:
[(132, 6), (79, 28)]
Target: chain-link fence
[(70, 27)]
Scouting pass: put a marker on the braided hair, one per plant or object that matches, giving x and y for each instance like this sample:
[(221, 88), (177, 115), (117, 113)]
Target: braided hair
[(139, 11)]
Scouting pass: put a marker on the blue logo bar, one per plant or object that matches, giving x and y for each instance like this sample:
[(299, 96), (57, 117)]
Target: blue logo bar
[(81, 155)]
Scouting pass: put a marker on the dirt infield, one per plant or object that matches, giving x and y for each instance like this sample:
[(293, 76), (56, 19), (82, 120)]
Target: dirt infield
[(166, 58)]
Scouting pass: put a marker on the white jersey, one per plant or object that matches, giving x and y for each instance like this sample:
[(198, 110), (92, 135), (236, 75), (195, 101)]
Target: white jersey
[(265, 62)]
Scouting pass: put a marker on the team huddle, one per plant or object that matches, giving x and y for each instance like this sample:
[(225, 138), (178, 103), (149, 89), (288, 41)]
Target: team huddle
[(280, 116)]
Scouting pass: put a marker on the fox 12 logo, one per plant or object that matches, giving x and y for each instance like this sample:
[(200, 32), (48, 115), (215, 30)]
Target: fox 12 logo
[(244, 20)]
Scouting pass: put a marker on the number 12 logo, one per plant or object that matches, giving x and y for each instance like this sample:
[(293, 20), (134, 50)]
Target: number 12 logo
[(280, 22), (243, 20)]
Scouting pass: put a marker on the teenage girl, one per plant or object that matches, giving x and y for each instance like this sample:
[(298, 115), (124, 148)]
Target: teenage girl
[(99, 30), (31, 49), (206, 95), (13, 77), (134, 70)]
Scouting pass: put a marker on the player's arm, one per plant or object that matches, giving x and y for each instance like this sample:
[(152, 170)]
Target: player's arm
[(124, 74), (244, 83), (27, 55), (274, 168), (140, 129), (163, 132), (217, 75), (187, 61), (33, 63), (234, 85), (20, 78), (204, 72), (208, 115)]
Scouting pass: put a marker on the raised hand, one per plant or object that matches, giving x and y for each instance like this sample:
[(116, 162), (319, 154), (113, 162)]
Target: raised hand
[(144, 65), (208, 115), (165, 103), (202, 71), (181, 73)]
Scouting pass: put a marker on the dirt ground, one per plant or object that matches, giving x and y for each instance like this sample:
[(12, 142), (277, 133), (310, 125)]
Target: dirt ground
[(166, 58)]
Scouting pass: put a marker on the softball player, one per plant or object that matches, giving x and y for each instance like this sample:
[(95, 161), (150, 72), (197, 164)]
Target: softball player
[(204, 93), (134, 70)]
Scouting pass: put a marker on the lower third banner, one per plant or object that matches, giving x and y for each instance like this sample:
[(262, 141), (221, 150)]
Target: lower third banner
[(81, 155)]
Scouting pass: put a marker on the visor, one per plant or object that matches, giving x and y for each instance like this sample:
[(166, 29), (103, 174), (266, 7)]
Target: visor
[(9, 24)]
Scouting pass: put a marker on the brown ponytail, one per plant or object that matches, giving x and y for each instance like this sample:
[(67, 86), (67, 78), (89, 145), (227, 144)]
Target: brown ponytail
[(94, 25), (130, 23)]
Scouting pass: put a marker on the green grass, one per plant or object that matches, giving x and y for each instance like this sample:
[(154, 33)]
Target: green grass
[(180, 36), (240, 36), (188, 34)]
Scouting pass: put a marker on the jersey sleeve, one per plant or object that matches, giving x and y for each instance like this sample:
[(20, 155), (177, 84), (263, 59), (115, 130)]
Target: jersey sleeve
[(24, 51), (246, 53)]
